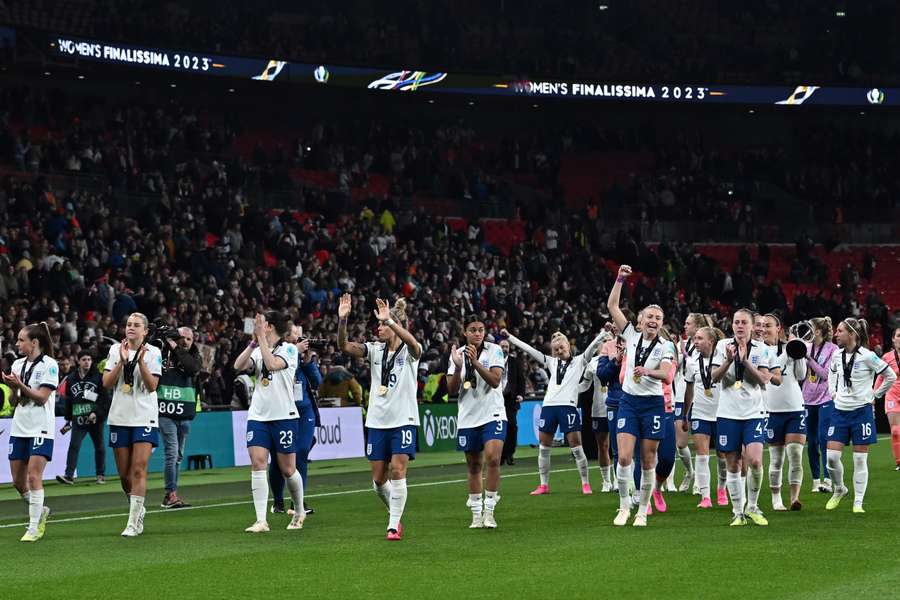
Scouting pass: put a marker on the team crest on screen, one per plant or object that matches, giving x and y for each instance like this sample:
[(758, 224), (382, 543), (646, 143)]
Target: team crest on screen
[(462, 440), (249, 436), (620, 423), (723, 440), (541, 423), (113, 437), (770, 433), (831, 430), (695, 424), (368, 448)]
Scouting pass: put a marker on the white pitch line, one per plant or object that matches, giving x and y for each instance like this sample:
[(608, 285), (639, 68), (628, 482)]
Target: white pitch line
[(238, 503)]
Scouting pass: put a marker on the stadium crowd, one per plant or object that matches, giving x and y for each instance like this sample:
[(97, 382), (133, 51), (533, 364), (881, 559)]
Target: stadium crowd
[(190, 256)]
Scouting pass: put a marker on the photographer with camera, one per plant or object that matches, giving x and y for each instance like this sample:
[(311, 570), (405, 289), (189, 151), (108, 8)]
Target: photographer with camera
[(177, 394), (86, 407), (307, 380)]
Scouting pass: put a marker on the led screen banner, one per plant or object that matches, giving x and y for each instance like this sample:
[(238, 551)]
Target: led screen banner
[(410, 80)]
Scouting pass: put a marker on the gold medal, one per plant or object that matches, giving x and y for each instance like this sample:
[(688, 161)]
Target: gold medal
[(467, 385), (382, 390), (708, 392), (603, 389), (738, 385), (637, 378), (813, 378), (126, 388), (265, 382)]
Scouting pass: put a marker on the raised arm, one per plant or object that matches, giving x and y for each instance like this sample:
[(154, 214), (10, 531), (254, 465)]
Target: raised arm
[(527, 349), (353, 349), (591, 350), (273, 363), (383, 313), (612, 303), (243, 362)]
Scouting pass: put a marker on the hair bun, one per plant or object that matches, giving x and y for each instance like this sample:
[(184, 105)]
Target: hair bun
[(400, 304), (827, 319)]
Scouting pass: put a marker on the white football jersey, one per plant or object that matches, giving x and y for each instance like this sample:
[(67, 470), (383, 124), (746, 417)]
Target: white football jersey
[(745, 402), (140, 407), (703, 407), (866, 366), (787, 397), (481, 403), (274, 402), (662, 351), (398, 407), (598, 402), (31, 420)]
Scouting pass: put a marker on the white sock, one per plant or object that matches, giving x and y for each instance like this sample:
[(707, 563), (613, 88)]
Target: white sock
[(295, 488), (722, 473), (754, 484), (702, 473), (398, 502), (544, 464), (259, 487), (795, 463), (648, 477), (26, 498), (670, 480), (776, 461), (607, 473), (134, 510), (623, 478), (491, 499), (384, 492), (685, 455), (836, 469), (581, 462), (475, 503), (736, 491), (35, 508), (744, 489), (860, 477)]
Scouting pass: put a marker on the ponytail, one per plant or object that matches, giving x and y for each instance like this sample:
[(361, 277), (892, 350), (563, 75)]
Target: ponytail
[(823, 324), (861, 328), (41, 333)]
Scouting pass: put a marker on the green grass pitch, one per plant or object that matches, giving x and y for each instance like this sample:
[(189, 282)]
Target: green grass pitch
[(561, 545)]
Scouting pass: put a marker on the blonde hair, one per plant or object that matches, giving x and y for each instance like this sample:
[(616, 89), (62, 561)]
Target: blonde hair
[(861, 328), (824, 325), (557, 335), (715, 333), (398, 312), (702, 320)]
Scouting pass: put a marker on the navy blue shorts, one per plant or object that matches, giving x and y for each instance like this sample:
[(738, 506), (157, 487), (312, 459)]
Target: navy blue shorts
[(384, 443), (600, 424), (23, 448), (564, 417), (473, 439), (778, 425), (306, 428), (280, 436), (734, 434), (704, 428), (642, 416), (679, 411), (122, 436), (856, 425)]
